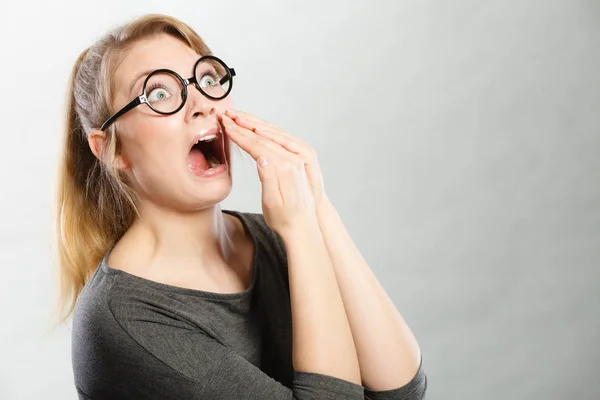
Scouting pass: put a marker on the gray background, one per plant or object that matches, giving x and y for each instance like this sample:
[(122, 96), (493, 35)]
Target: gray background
[(459, 141)]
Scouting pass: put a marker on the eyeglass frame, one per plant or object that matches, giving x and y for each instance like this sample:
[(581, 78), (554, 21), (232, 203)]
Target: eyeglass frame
[(142, 99)]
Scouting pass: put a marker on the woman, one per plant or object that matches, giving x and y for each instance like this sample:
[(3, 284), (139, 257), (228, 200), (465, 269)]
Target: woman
[(173, 298)]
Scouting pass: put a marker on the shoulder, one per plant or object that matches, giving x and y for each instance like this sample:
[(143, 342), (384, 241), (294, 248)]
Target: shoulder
[(91, 306), (110, 340), (254, 222), (258, 229)]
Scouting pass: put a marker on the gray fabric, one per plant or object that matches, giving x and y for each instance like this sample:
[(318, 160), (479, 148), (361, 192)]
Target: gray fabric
[(134, 338)]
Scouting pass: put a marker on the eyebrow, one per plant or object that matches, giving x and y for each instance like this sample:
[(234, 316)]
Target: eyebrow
[(138, 77)]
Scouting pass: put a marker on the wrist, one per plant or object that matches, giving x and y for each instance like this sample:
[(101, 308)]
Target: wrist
[(324, 209), (300, 231)]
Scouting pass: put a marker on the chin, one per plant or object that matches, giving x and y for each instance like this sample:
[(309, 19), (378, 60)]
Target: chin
[(185, 192), (212, 192)]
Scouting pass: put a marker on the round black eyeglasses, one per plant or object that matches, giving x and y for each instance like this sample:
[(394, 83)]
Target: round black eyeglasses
[(165, 91)]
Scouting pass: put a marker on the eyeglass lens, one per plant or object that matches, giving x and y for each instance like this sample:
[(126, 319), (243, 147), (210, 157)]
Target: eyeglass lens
[(164, 90)]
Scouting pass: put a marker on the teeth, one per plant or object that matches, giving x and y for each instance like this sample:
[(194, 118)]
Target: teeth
[(207, 139)]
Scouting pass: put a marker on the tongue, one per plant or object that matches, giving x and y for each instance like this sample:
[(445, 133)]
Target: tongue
[(197, 161)]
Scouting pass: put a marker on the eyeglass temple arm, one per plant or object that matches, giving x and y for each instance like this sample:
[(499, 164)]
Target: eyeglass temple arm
[(134, 103), (226, 77)]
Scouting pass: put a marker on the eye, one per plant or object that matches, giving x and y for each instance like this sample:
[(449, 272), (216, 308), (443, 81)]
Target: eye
[(208, 80), (158, 94)]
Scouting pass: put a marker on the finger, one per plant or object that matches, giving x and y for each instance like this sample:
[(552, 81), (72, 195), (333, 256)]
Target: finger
[(246, 140), (267, 173), (266, 160), (250, 142), (270, 131), (276, 135), (279, 170), (235, 115), (287, 142)]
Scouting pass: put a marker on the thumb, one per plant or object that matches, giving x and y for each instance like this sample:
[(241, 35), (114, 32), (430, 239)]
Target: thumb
[(268, 178)]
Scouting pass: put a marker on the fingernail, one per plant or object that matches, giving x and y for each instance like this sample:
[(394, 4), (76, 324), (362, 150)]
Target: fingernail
[(262, 161), (231, 112)]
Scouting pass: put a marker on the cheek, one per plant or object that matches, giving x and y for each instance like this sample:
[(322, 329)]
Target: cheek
[(224, 104), (151, 142)]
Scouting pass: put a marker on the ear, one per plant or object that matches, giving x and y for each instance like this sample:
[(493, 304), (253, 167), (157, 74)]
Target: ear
[(97, 141)]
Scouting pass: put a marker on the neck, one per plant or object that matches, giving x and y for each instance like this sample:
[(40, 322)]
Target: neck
[(202, 238)]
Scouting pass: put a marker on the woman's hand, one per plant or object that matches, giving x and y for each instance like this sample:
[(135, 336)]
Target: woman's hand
[(292, 144), (287, 200)]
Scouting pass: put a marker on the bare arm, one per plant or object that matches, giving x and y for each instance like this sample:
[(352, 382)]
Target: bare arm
[(322, 340), (388, 352)]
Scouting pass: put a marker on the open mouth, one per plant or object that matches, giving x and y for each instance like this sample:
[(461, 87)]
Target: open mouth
[(207, 152)]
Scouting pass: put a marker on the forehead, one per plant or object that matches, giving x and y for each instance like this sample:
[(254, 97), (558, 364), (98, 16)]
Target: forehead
[(162, 51)]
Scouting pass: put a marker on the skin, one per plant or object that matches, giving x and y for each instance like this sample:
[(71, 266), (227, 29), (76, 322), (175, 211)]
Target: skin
[(388, 353), (181, 224), (182, 227)]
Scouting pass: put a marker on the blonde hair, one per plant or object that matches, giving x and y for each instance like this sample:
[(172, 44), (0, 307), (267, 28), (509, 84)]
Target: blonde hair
[(95, 205)]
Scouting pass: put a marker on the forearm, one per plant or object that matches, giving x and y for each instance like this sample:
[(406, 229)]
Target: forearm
[(388, 352), (322, 340)]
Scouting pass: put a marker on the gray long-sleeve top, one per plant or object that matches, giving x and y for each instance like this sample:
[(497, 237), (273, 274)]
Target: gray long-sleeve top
[(134, 338)]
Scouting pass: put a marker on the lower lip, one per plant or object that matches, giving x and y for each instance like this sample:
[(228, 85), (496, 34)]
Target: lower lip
[(209, 173)]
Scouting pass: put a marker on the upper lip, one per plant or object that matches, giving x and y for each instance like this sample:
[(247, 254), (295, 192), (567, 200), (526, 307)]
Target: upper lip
[(203, 133)]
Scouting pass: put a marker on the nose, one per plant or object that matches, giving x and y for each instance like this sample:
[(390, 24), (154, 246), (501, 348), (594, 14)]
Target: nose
[(205, 109), (199, 105)]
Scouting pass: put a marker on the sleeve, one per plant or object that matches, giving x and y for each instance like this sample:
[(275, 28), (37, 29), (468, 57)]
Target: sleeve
[(413, 390), (211, 370)]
